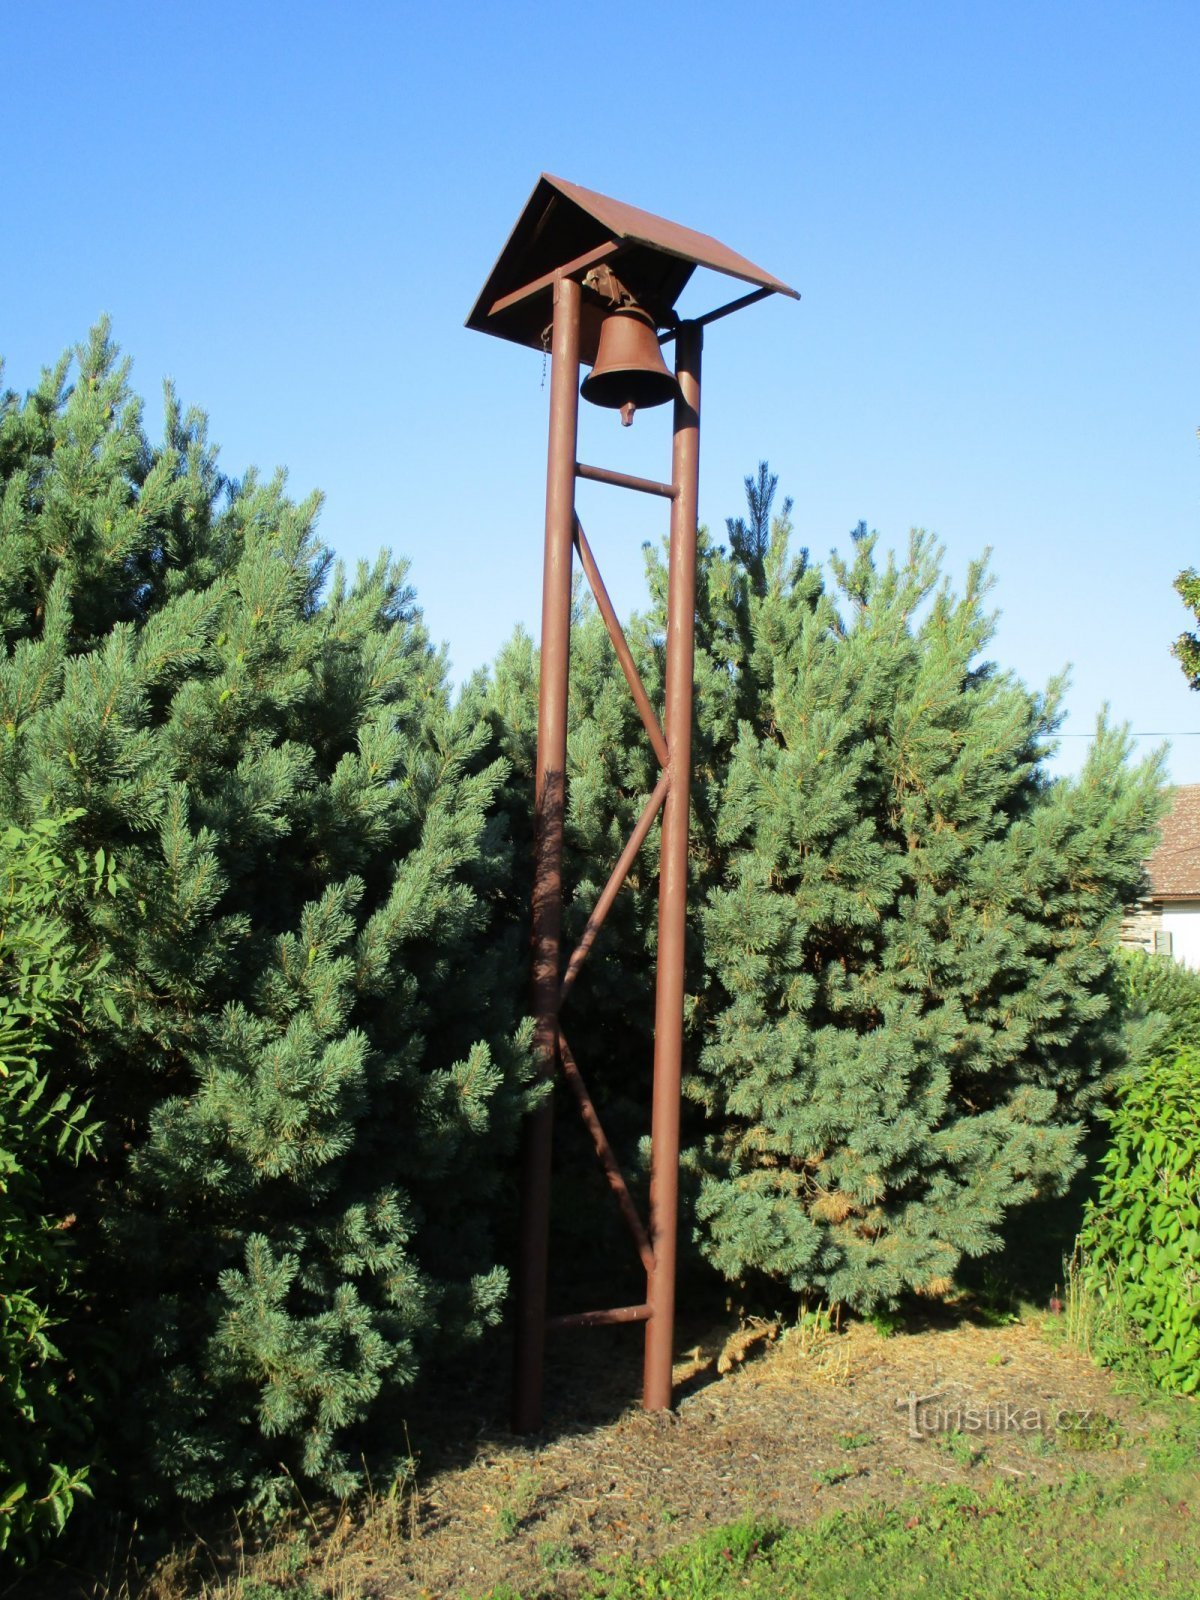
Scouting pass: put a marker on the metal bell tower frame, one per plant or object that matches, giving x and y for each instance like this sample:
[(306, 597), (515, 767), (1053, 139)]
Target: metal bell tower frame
[(573, 256)]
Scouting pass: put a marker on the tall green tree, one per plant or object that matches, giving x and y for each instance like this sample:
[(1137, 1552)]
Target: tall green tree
[(903, 930), (308, 1098), (1186, 648), (914, 938)]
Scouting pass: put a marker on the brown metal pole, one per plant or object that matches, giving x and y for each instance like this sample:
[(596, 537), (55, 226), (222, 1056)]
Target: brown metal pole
[(673, 871), (549, 802)]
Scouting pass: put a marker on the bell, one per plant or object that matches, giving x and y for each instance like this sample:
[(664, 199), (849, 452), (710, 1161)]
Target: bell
[(629, 370)]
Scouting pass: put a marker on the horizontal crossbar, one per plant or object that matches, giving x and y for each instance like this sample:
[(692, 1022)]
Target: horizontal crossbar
[(597, 1319), (625, 480)]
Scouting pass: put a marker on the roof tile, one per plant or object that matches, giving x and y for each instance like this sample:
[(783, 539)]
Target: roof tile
[(1174, 866)]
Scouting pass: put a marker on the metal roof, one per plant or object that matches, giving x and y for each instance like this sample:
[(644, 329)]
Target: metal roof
[(564, 225)]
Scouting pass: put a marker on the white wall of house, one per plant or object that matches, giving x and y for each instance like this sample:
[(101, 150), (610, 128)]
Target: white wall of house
[(1181, 919)]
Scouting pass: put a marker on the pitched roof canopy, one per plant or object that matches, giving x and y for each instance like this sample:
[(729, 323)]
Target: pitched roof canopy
[(565, 226)]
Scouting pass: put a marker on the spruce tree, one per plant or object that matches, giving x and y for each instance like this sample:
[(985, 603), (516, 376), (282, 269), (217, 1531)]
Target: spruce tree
[(307, 1095)]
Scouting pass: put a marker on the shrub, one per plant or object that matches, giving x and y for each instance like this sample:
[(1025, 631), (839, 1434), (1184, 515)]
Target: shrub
[(1161, 1001), (902, 933), (308, 1100), (47, 986), (1140, 1241)]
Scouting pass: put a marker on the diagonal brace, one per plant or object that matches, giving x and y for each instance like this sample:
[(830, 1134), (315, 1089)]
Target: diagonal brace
[(612, 888), (624, 655), (608, 1160)]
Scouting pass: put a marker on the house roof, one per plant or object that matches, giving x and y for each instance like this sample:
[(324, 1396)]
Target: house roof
[(1174, 866), (561, 222)]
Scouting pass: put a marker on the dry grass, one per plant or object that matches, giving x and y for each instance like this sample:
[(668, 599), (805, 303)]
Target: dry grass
[(786, 1423)]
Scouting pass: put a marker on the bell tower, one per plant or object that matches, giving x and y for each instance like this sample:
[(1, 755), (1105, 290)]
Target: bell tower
[(594, 280)]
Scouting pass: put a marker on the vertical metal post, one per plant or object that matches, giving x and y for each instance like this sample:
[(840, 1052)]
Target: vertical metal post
[(549, 800), (673, 871)]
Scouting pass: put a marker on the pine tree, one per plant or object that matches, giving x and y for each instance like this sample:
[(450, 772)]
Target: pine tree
[(307, 1096), (913, 940), (902, 931)]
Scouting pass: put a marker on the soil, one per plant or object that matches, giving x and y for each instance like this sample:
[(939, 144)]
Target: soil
[(801, 1423)]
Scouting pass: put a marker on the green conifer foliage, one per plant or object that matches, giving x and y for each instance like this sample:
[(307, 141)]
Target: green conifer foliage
[(912, 940), (1186, 648), (307, 1095), (902, 932)]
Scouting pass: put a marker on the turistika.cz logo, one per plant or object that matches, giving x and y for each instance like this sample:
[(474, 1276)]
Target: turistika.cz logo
[(941, 1412)]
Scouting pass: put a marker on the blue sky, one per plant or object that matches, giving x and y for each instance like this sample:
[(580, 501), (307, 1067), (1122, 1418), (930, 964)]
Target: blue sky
[(990, 211)]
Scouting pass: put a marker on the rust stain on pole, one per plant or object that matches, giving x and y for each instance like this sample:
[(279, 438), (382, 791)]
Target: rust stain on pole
[(549, 810), (672, 905)]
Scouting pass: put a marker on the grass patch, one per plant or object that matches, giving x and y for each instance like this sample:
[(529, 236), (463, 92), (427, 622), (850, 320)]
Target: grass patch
[(1079, 1541)]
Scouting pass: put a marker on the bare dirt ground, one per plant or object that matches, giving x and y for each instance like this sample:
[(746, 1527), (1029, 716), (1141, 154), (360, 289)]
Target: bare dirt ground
[(808, 1422)]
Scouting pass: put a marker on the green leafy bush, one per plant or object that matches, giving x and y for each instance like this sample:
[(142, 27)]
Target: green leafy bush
[(1140, 1242), (47, 986)]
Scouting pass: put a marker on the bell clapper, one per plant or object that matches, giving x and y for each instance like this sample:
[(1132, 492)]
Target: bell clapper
[(627, 411)]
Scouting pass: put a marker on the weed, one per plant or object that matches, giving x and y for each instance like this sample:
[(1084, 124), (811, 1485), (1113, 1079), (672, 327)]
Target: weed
[(254, 1589), (1087, 1430), (659, 1508), (555, 1556), (994, 1301), (1094, 1321), (395, 1512), (827, 1477), (886, 1322), (854, 1441), (957, 1444), (813, 1347), (517, 1504)]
